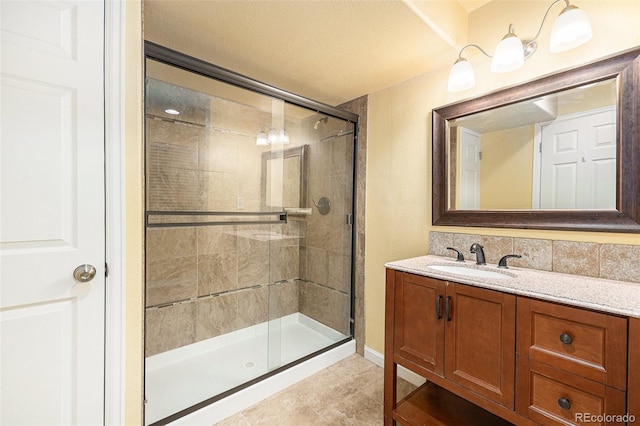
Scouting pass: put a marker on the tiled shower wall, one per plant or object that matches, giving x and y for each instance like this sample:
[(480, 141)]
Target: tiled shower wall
[(610, 261), (206, 281), (326, 250)]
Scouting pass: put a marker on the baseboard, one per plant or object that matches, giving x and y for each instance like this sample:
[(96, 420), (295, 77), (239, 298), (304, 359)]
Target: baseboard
[(408, 375)]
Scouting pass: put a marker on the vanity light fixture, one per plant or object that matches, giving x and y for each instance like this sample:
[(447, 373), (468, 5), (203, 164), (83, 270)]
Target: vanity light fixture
[(272, 136), (571, 29), (261, 139)]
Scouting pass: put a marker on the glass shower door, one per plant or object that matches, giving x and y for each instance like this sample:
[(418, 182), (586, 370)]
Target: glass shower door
[(248, 237), (310, 297)]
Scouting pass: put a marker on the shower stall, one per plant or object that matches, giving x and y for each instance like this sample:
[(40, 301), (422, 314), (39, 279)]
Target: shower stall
[(249, 232)]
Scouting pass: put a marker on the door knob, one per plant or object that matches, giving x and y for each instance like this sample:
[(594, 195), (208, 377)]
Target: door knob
[(84, 273)]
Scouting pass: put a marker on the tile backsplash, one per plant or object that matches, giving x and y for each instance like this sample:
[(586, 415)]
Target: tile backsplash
[(610, 261)]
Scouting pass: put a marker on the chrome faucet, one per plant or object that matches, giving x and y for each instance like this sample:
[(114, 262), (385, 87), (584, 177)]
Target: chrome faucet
[(477, 249)]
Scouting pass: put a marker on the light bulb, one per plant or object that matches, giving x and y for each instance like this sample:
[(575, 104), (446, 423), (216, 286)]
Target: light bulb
[(284, 137), (461, 76), (261, 139), (273, 136), (509, 54), (571, 29)]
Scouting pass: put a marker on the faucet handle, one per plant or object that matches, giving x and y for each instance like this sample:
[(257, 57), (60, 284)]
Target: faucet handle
[(475, 247), (503, 260), (460, 255)]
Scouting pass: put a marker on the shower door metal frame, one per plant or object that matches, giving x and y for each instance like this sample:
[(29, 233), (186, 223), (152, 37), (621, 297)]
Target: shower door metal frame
[(188, 63)]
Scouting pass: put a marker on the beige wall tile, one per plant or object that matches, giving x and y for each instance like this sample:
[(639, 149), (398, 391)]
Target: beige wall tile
[(612, 261), (253, 306), (253, 262), (536, 253), (620, 262), (325, 305), (283, 299), (217, 273), (217, 191), (170, 280), (167, 243), (439, 241), (216, 316), (496, 247), (217, 239), (339, 271), (284, 263), (463, 243), (317, 265), (159, 131), (577, 258), (173, 189), (169, 327), (219, 152)]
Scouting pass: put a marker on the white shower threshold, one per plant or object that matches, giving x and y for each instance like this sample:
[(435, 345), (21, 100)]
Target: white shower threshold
[(182, 377)]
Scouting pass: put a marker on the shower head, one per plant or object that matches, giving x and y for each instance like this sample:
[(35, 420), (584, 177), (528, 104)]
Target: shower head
[(324, 120)]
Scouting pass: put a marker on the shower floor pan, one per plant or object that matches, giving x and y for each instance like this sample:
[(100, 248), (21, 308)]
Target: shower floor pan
[(182, 377)]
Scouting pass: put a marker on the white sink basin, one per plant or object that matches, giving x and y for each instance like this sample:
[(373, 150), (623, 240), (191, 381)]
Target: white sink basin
[(470, 272)]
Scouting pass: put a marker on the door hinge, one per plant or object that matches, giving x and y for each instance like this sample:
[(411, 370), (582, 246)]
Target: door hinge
[(106, 270), (479, 155), (540, 148), (350, 219)]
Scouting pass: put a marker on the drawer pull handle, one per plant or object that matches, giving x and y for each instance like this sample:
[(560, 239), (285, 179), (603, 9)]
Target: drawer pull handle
[(439, 307), (566, 339), (564, 403)]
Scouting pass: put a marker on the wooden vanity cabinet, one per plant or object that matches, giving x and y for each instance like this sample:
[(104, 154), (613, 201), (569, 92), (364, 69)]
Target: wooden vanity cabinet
[(456, 336), (485, 366)]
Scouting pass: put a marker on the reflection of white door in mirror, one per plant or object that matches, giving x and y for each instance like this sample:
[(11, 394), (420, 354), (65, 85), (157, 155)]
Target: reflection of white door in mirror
[(577, 162), (469, 170)]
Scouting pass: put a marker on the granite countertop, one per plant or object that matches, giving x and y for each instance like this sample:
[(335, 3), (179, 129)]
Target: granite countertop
[(615, 297)]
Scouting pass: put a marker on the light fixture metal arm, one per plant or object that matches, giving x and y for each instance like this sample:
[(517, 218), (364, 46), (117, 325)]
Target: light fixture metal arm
[(545, 18), (477, 47)]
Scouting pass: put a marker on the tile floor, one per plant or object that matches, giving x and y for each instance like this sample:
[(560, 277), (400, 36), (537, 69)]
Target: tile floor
[(347, 393)]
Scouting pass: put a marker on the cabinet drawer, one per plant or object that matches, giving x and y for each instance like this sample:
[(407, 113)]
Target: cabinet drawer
[(553, 397), (587, 343)]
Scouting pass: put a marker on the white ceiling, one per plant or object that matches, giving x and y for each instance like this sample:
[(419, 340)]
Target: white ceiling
[(331, 51)]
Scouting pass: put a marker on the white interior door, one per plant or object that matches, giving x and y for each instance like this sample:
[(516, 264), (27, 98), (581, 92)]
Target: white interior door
[(52, 212), (469, 169), (578, 162)]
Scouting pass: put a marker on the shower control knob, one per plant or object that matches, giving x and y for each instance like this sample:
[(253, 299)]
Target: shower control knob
[(84, 273)]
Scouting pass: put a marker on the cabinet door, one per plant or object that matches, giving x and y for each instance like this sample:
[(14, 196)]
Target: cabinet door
[(418, 328), (480, 341)]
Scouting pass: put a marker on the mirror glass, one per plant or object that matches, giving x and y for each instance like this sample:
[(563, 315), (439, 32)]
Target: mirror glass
[(559, 152), (556, 151), (283, 178)]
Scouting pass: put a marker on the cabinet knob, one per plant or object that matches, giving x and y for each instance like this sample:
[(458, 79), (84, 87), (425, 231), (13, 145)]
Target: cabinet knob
[(564, 403), (566, 339)]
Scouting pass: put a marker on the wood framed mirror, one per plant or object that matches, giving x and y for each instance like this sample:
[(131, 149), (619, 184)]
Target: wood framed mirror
[(515, 185)]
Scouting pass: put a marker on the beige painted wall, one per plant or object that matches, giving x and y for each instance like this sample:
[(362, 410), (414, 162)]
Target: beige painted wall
[(506, 169), (134, 214), (398, 208)]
